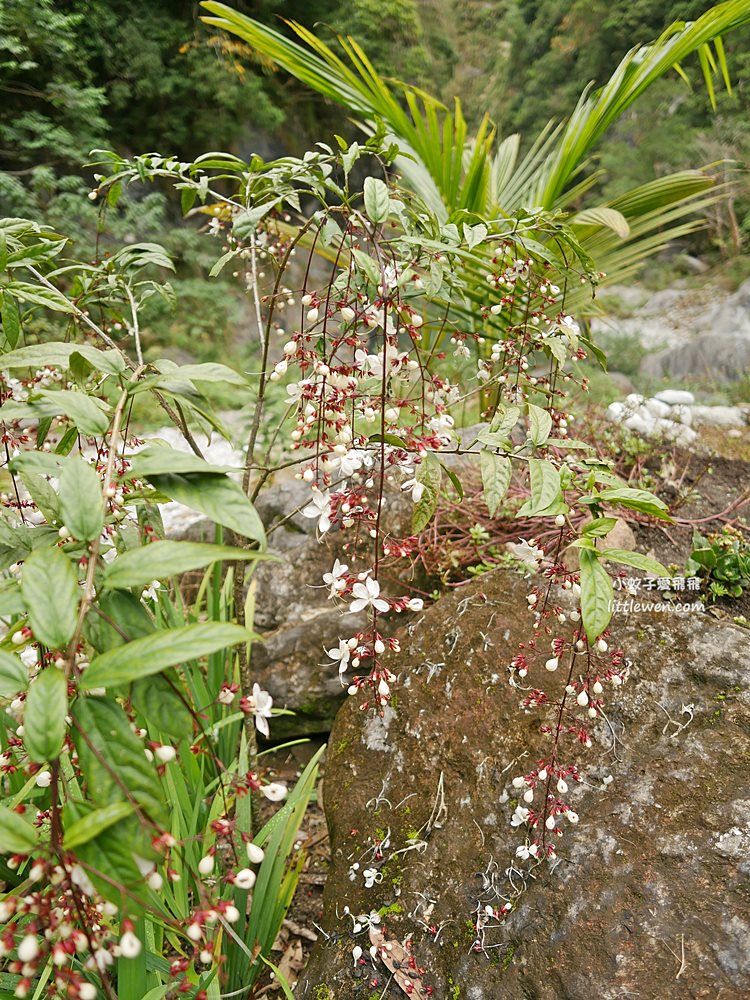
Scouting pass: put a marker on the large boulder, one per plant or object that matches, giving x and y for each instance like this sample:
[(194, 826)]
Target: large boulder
[(650, 897)]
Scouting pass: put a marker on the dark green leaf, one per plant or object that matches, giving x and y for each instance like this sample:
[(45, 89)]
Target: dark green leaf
[(113, 761), (16, 835), (163, 559), (166, 648), (160, 704), (217, 497), (81, 504), (496, 472), (44, 718), (157, 460), (46, 573), (596, 595), (429, 473), (11, 319), (87, 413), (14, 677), (635, 559), (94, 823)]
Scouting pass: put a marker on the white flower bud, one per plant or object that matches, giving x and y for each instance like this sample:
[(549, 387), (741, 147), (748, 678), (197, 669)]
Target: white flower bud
[(44, 779), (194, 932), (312, 315), (560, 520), (255, 854), (231, 914), (28, 949), (582, 699), (130, 945), (528, 795), (597, 688), (601, 646), (165, 754), (206, 864), (552, 664), (543, 774), (244, 878), (518, 782), (550, 822), (562, 786), (347, 314)]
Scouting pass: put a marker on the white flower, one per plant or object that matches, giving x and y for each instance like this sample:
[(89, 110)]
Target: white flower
[(274, 791), (245, 878), (226, 695), (415, 604), (320, 507), (347, 464), (296, 390), (87, 991), (520, 816), (130, 945), (367, 595), (342, 654), (255, 854), (260, 703), (335, 579), (44, 779), (371, 877), (150, 592), (415, 488)]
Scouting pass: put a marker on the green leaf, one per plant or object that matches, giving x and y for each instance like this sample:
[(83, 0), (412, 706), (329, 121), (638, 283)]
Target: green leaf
[(635, 559), (14, 677), (166, 648), (113, 761), (50, 298), (57, 355), (16, 835), (81, 503), (11, 319), (217, 497), (94, 823), (207, 372), (596, 594), (163, 559), (88, 414), (160, 704), (156, 460), (599, 527), (496, 471), (640, 500), (377, 200), (546, 494), (540, 425), (49, 586), (42, 494), (44, 718), (430, 474)]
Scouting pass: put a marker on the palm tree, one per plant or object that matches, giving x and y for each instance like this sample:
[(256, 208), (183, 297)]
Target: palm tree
[(453, 171)]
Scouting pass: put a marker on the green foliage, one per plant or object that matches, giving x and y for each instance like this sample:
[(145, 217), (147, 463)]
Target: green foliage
[(723, 560)]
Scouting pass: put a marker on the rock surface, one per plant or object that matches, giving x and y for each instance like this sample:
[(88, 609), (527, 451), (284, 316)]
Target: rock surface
[(651, 897)]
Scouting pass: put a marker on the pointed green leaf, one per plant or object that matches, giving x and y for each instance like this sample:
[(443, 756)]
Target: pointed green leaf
[(159, 560), (14, 677), (166, 648), (377, 200), (217, 497), (49, 586), (596, 594), (81, 503), (496, 471), (16, 835), (44, 718), (94, 823), (11, 319), (429, 473)]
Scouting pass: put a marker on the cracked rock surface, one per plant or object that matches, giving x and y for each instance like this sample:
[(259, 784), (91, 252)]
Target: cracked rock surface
[(651, 896)]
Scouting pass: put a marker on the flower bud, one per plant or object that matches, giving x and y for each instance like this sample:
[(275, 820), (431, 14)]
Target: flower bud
[(552, 664), (206, 865), (255, 854)]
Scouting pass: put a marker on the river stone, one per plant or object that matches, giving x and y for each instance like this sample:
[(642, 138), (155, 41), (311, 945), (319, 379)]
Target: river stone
[(651, 897), (676, 397), (719, 416)]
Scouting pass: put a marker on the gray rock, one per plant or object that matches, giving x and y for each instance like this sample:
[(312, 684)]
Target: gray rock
[(652, 881), (676, 397), (719, 416), (657, 408)]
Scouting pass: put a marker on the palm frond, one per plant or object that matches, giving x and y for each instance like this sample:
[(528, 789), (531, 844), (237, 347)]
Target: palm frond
[(432, 133)]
